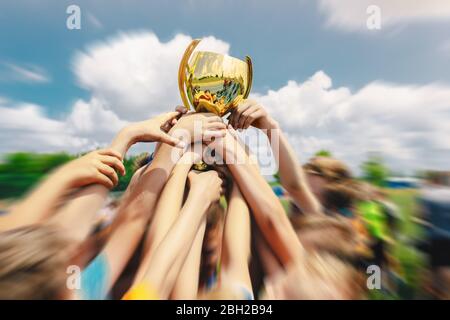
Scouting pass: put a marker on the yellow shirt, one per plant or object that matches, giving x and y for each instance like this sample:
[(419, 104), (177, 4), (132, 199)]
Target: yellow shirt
[(141, 291)]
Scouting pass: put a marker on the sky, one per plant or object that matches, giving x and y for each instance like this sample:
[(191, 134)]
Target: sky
[(330, 81)]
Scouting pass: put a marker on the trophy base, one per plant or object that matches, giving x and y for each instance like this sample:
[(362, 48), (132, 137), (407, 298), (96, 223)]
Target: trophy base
[(200, 166)]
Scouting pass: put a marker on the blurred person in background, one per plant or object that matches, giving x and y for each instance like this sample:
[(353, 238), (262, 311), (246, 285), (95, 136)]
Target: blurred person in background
[(434, 202)]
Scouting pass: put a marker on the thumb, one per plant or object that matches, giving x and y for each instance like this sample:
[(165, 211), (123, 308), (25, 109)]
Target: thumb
[(168, 139)]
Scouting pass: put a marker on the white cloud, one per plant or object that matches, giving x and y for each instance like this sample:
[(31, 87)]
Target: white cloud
[(131, 76), (407, 124), (351, 15), (25, 127), (29, 73), (135, 74)]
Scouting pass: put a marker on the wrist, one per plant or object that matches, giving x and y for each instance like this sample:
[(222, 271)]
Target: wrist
[(272, 123), (200, 197), (226, 147), (272, 126), (62, 178), (124, 140)]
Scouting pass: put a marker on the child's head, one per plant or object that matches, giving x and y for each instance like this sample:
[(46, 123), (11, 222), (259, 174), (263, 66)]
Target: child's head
[(141, 160), (33, 263), (331, 182), (333, 235)]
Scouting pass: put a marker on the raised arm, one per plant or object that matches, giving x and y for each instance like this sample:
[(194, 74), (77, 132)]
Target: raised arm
[(139, 201), (167, 209), (77, 216), (95, 168), (291, 173), (236, 241), (162, 269), (265, 206)]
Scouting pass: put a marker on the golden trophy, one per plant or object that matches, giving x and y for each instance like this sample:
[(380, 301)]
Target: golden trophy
[(213, 82)]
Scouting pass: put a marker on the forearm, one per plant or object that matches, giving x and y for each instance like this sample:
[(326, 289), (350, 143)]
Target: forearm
[(292, 176), (267, 209), (270, 264), (186, 285), (77, 216), (142, 199), (39, 205), (168, 206), (236, 247), (236, 241), (166, 212), (170, 255)]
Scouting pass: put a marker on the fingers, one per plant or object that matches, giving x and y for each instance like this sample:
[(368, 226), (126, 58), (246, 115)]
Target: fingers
[(172, 141), (181, 109), (108, 172), (217, 183), (245, 114), (215, 126), (170, 119), (114, 162), (255, 114), (110, 152), (233, 132), (214, 122), (104, 180), (237, 113), (246, 117), (213, 117), (169, 116), (208, 135), (192, 176)]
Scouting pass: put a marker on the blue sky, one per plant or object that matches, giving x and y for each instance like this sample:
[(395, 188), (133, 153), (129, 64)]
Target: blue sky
[(288, 40)]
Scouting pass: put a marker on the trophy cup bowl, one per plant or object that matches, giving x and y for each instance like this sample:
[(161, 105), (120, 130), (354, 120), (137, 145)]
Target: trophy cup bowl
[(213, 82)]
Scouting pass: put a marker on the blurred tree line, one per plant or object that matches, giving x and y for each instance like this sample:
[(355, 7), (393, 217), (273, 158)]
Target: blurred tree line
[(375, 171), (22, 170)]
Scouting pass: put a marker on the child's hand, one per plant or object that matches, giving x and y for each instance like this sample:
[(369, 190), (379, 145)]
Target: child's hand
[(96, 167), (193, 155), (228, 183), (249, 113), (201, 126), (207, 184), (156, 130)]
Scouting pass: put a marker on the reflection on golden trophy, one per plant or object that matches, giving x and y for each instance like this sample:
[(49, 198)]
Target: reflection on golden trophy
[(213, 82)]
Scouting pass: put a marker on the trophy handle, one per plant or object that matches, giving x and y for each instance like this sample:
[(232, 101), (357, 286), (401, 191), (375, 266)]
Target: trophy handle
[(182, 72), (250, 76)]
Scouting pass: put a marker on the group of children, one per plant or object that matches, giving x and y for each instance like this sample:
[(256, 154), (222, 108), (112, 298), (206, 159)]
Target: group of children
[(180, 233)]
